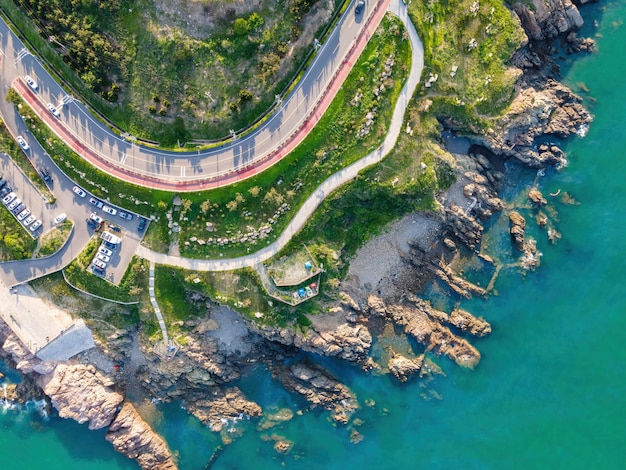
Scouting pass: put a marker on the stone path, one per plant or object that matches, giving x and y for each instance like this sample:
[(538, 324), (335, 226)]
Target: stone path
[(153, 301), (329, 185)]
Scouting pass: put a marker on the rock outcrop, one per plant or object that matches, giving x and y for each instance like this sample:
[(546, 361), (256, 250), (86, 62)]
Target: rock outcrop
[(319, 388), (402, 367), (546, 19), (329, 335), (425, 323), (219, 406), (536, 197), (133, 437), (80, 392), (197, 365), (517, 229), (543, 107), (467, 322)]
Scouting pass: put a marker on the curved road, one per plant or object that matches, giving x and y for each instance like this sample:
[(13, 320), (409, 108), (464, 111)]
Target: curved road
[(193, 171), (328, 186)]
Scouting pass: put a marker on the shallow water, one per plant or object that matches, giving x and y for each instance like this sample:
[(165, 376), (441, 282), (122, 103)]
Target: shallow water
[(548, 392)]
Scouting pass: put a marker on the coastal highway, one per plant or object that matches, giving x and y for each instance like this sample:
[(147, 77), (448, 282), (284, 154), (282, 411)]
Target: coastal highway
[(192, 171), (336, 180), (17, 272)]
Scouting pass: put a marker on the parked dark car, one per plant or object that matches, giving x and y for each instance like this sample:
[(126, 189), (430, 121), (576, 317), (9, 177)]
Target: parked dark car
[(109, 245), (142, 224), (45, 174), (360, 5), (97, 270), (19, 209)]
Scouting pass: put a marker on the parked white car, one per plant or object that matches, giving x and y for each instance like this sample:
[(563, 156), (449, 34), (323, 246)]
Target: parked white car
[(15, 203), (8, 198), (22, 215), (105, 251), (29, 220), (60, 218), (109, 210), (80, 192), (35, 226), (99, 263), (102, 257)]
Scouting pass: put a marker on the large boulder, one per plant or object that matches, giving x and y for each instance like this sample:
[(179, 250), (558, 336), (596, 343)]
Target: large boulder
[(81, 392), (133, 437)]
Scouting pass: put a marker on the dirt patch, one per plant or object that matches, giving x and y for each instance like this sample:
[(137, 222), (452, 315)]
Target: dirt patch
[(382, 257), (198, 18), (232, 334)]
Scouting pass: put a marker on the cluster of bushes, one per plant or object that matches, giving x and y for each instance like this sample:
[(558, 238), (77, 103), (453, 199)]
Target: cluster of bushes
[(77, 29)]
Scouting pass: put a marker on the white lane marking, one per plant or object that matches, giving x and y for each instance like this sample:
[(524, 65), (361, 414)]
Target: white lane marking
[(182, 171)]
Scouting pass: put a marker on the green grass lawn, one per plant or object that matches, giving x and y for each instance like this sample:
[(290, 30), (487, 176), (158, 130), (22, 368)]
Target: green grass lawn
[(478, 38), (54, 239), (15, 242)]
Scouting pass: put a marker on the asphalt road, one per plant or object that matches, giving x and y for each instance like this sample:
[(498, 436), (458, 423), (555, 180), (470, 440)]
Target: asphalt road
[(330, 184), (76, 208), (185, 167)]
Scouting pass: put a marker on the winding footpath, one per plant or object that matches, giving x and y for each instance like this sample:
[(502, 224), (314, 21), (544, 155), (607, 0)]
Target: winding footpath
[(398, 8)]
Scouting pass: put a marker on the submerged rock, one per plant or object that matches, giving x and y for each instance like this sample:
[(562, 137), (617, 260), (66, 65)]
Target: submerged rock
[(222, 406), (319, 388), (402, 367)]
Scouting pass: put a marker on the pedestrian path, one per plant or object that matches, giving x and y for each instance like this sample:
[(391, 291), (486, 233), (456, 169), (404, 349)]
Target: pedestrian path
[(340, 178), (153, 301)]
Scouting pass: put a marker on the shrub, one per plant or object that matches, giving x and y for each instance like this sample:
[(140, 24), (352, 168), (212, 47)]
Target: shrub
[(241, 27)]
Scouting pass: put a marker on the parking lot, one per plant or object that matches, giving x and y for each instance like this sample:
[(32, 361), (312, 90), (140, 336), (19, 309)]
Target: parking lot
[(72, 203)]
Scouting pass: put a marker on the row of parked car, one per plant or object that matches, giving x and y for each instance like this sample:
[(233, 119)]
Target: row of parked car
[(15, 205), (105, 251)]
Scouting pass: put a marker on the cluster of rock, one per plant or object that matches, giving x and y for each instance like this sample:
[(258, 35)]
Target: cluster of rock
[(541, 107), (319, 388), (252, 236), (378, 91), (331, 335), (84, 394)]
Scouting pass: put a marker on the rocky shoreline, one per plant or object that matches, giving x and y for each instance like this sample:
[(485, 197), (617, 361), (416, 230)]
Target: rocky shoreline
[(220, 347)]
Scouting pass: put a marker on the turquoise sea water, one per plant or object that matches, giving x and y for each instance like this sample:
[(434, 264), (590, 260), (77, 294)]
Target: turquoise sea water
[(549, 391)]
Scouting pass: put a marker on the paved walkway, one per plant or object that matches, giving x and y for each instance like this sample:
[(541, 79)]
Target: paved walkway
[(153, 301), (328, 186), (45, 330)]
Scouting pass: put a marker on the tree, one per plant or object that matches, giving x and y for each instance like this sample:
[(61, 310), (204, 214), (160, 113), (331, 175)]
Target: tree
[(205, 206), (255, 21), (241, 27)]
